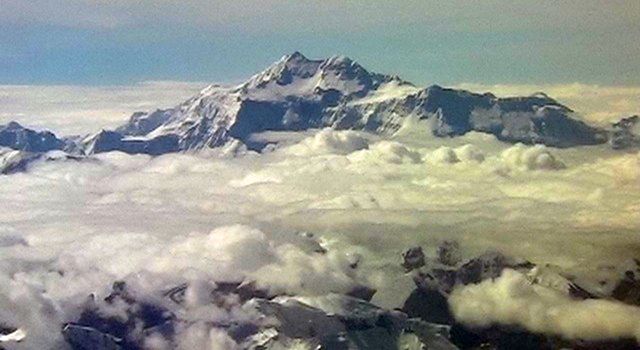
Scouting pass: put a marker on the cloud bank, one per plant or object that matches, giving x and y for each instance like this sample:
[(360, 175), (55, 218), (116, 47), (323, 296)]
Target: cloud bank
[(75, 109), (69, 229)]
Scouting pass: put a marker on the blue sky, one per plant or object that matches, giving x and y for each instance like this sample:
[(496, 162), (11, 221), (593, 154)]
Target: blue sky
[(95, 42)]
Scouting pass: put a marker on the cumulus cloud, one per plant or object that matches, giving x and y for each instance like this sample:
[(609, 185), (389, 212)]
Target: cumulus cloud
[(538, 157), (470, 152), (228, 251), (68, 229), (329, 141), (300, 273), (450, 155), (512, 299), (387, 152), (445, 155)]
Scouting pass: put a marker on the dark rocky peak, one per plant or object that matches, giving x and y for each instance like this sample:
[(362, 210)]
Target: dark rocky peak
[(627, 122), (15, 136), (625, 133)]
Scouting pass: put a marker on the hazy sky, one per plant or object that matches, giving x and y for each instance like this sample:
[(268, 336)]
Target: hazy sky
[(446, 42)]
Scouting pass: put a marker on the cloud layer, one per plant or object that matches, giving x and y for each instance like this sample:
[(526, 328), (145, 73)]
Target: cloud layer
[(76, 109), (71, 228)]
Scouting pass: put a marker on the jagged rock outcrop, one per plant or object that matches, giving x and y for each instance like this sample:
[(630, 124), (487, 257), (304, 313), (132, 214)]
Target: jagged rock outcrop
[(20, 147), (328, 322), (438, 277), (17, 137), (107, 141), (625, 133)]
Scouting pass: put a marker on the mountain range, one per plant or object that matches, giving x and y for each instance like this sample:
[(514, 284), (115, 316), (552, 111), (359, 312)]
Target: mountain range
[(296, 93)]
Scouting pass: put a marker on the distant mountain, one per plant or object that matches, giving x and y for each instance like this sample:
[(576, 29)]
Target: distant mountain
[(20, 147), (625, 133), (15, 161), (17, 137), (297, 93)]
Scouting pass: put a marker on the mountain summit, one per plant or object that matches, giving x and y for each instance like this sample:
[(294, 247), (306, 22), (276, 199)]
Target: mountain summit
[(298, 93)]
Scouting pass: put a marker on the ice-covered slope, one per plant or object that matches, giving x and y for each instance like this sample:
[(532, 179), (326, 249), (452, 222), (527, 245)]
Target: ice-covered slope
[(297, 93)]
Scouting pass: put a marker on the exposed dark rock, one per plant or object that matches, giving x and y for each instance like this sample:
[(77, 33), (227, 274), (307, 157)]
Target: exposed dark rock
[(500, 338), (623, 135), (412, 258), (297, 320), (97, 327), (88, 338), (438, 278), (428, 305), (449, 253), (628, 289), (14, 161), (107, 141), (18, 162), (362, 292), (613, 344), (433, 336), (15, 136), (4, 329), (510, 337), (435, 281), (443, 278), (488, 266), (249, 290), (360, 325)]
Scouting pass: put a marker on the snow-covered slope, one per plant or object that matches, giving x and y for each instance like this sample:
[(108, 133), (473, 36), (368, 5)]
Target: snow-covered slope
[(14, 161), (297, 93)]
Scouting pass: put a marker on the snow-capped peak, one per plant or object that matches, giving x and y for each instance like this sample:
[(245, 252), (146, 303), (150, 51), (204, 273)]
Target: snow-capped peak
[(283, 72), (298, 93)]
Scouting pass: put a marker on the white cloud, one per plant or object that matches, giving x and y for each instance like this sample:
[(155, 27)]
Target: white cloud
[(329, 141), (389, 152), (201, 336), (71, 228), (538, 157), (444, 155), (75, 109), (512, 299)]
